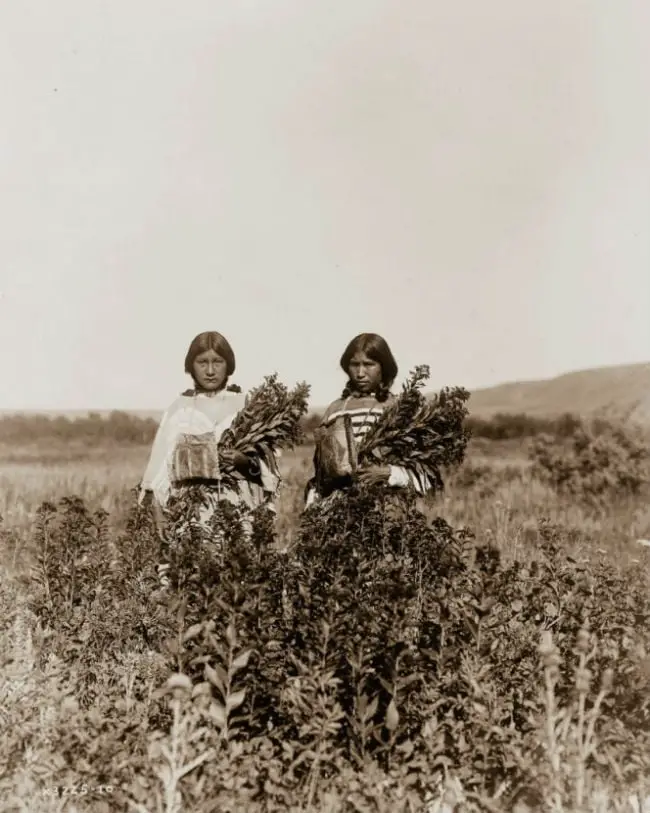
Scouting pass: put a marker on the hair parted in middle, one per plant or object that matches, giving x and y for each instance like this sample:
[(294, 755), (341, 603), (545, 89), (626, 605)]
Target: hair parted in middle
[(377, 349), (210, 340)]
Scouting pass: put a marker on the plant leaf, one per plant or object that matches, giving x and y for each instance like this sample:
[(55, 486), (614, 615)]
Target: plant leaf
[(192, 632), (241, 661), (216, 679), (218, 713), (392, 716), (235, 700)]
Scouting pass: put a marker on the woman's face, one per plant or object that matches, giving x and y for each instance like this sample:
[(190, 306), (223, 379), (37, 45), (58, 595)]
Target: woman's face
[(364, 373), (209, 371)]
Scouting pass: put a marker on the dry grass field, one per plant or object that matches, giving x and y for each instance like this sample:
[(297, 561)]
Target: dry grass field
[(43, 746)]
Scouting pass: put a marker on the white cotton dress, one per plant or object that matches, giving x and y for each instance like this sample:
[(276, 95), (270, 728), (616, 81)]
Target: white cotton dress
[(195, 415)]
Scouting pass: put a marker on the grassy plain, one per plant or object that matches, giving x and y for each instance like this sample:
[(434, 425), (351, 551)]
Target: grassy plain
[(493, 494)]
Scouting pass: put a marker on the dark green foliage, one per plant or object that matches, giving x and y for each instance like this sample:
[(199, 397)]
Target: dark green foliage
[(94, 596), (422, 615), (517, 426), (367, 566), (380, 642), (397, 634), (220, 576), (599, 461)]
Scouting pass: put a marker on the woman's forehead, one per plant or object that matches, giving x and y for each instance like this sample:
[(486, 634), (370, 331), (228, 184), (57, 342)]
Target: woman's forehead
[(209, 354), (360, 356)]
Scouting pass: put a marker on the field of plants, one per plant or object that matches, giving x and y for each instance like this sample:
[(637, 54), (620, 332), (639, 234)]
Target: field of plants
[(485, 650)]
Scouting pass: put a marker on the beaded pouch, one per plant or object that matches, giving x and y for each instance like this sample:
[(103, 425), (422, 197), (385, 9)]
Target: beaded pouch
[(337, 450), (196, 457)]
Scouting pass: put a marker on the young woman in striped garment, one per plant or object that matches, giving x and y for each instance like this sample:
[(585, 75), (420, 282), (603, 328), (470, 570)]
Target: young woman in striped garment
[(371, 369)]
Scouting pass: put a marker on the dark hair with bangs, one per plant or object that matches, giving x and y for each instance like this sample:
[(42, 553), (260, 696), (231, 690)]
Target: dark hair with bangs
[(210, 340), (377, 349)]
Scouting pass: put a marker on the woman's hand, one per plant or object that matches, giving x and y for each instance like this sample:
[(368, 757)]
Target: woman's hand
[(227, 457), (236, 460), (231, 457), (371, 475)]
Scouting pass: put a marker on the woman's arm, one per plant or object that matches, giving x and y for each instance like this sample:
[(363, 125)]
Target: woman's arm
[(403, 477), (156, 475), (312, 493), (394, 477)]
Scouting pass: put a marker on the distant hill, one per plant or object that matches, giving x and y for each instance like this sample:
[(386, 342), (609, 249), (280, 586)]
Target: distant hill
[(618, 393)]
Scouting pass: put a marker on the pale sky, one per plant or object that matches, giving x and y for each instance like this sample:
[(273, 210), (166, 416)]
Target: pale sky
[(469, 179)]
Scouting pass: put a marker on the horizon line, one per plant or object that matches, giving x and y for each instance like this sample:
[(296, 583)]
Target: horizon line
[(156, 411)]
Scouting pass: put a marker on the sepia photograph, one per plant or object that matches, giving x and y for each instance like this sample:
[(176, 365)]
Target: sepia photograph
[(324, 406)]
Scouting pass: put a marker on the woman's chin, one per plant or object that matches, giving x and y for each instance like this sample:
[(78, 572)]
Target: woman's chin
[(210, 388)]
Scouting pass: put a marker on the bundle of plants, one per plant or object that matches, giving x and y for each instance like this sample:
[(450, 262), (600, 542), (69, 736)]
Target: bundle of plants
[(425, 434), (270, 422)]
